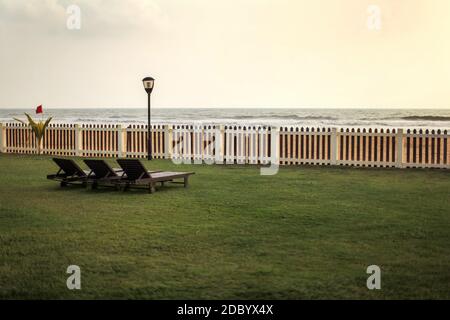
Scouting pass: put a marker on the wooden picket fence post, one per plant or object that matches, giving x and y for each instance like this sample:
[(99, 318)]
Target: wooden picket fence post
[(219, 144), (333, 147), (121, 141), (168, 138), (275, 145), (399, 149), (78, 141), (2, 138)]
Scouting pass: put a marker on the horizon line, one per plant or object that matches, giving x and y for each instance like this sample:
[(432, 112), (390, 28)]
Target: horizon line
[(232, 107)]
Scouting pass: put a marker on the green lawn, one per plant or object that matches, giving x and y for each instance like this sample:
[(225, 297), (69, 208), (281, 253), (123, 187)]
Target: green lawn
[(308, 232)]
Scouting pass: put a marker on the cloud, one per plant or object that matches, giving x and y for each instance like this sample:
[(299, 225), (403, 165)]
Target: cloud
[(98, 16), (118, 15), (25, 12)]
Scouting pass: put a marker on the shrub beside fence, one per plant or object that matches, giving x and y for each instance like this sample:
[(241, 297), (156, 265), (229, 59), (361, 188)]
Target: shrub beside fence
[(240, 144)]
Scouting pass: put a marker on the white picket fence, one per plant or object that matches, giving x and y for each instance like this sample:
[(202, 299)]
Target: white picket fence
[(240, 144)]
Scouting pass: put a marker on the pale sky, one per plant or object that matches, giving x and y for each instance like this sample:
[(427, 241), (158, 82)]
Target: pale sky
[(226, 53)]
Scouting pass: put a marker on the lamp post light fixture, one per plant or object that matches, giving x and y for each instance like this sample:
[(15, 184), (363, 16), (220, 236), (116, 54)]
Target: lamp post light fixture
[(148, 85)]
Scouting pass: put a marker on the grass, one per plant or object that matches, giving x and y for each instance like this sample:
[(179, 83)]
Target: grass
[(307, 232)]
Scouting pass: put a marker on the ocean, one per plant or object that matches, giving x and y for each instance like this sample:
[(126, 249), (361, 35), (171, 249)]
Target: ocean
[(307, 117)]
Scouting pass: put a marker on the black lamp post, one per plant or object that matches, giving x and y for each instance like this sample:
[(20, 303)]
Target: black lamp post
[(148, 85)]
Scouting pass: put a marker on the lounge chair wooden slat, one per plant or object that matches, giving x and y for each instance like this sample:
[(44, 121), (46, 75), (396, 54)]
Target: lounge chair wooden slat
[(102, 173), (102, 169), (69, 172), (138, 175)]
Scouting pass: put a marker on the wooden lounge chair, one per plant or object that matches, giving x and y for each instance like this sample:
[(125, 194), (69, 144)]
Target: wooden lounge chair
[(102, 174), (69, 173), (136, 175)]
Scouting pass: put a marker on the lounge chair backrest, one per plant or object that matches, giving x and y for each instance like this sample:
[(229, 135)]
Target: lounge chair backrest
[(69, 167), (133, 168), (100, 168)]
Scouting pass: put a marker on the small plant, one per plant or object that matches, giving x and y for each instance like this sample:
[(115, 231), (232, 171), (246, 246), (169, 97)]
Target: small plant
[(38, 128)]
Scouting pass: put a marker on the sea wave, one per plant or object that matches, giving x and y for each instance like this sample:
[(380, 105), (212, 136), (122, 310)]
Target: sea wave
[(426, 118), (284, 117), (410, 118)]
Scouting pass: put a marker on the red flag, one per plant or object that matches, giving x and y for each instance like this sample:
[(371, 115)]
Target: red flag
[(39, 109)]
